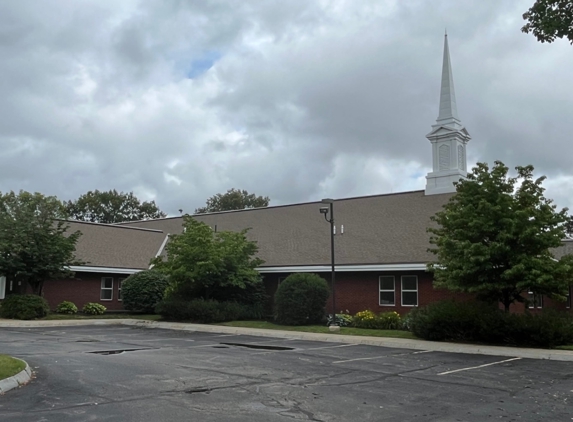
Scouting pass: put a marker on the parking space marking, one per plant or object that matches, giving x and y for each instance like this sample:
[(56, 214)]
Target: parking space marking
[(352, 360), (479, 366), (329, 347)]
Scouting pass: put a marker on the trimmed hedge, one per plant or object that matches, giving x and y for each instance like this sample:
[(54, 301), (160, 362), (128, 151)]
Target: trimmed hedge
[(67, 307), (141, 292), (478, 322), (24, 307), (93, 309), (207, 311), (301, 299)]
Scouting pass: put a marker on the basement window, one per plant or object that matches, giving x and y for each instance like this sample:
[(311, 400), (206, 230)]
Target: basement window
[(409, 290), (106, 292), (387, 290)]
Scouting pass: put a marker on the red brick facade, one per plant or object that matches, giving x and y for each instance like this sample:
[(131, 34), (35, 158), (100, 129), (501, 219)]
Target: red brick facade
[(83, 288)]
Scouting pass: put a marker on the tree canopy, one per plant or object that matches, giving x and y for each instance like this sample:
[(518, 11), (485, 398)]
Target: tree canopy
[(233, 199), (548, 20), (111, 207), (202, 263), (495, 235), (34, 243)]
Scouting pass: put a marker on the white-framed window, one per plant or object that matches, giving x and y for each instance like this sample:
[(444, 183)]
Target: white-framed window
[(119, 284), (535, 301), (409, 290), (106, 292), (387, 284), (2, 287)]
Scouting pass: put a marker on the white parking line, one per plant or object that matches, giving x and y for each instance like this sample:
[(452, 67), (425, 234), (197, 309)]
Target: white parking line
[(352, 360), (328, 347), (479, 366)]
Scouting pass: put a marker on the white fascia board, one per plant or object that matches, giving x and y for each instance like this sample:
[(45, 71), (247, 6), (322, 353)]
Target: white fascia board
[(342, 268), (86, 269)]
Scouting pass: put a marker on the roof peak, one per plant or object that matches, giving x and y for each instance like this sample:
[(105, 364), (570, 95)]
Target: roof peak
[(448, 114)]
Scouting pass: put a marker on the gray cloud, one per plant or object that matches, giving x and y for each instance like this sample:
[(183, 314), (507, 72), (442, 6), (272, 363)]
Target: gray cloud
[(296, 100)]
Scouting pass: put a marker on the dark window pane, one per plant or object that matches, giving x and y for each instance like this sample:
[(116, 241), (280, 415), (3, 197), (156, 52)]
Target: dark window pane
[(107, 283), (386, 298), (106, 294), (410, 282), (410, 298), (386, 283)]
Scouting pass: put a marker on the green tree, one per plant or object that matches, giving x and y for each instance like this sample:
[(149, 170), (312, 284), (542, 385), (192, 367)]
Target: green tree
[(495, 235), (550, 19), (203, 264), (111, 207), (234, 199), (35, 245)]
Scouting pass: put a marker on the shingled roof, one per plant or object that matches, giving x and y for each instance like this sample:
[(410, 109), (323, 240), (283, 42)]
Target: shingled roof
[(380, 229), (112, 246)]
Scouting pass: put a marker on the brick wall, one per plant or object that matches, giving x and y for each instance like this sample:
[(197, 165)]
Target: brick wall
[(357, 291), (83, 288)]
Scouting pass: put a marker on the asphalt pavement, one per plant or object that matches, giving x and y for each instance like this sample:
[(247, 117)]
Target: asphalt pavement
[(129, 373)]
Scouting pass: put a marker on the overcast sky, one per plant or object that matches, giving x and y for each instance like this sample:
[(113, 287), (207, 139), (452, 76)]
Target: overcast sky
[(177, 100)]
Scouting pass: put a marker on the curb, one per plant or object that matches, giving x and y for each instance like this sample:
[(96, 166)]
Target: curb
[(21, 378), (422, 345)]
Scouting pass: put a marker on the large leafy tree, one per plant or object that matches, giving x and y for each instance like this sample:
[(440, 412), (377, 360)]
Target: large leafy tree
[(213, 265), (35, 244), (548, 20), (495, 235), (233, 199), (111, 207)]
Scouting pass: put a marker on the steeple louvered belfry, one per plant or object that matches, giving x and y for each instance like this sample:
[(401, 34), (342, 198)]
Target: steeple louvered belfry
[(448, 137)]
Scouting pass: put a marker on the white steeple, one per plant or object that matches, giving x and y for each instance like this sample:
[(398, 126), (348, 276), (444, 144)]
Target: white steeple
[(448, 137)]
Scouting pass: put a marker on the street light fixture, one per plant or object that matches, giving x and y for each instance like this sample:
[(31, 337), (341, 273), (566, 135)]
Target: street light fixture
[(326, 211)]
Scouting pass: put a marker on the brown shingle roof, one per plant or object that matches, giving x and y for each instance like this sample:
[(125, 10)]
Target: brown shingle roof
[(381, 229), (103, 245)]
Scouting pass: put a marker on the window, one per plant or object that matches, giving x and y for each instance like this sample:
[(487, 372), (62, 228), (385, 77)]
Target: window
[(535, 300), (106, 288), (409, 290), (569, 297), (387, 290), (119, 283), (2, 287)]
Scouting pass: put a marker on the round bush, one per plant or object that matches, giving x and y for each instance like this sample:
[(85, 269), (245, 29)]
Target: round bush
[(93, 309), (301, 299), (24, 307), (67, 307), (141, 292)]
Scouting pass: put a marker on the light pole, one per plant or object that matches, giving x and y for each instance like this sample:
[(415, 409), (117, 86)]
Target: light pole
[(326, 211)]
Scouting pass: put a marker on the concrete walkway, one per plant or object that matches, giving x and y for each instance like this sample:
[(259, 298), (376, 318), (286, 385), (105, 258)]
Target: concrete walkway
[(562, 355)]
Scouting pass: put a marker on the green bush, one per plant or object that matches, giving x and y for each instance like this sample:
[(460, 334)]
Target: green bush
[(24, 307), (301, 299), (93, 309), (384, 321), (206, 311), (478, 322), (141, 292), (67, 307)]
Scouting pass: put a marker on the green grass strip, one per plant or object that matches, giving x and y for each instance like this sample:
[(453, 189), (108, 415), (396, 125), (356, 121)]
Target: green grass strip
[(348, 331), (58, 317), (10, 366)]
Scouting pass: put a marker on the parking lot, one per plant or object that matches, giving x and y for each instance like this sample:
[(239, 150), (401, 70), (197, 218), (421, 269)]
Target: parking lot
[(119, 373)]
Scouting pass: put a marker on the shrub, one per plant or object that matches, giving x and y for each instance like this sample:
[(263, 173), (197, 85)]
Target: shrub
[(384, 321), (144, 290), (206, 311), (478, 322), (24, 307), (67, 307), (342, 320), (93, 309), (301, 299), (364, 319)]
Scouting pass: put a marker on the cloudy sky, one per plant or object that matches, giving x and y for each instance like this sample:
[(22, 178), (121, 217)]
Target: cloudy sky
[(177, 100)]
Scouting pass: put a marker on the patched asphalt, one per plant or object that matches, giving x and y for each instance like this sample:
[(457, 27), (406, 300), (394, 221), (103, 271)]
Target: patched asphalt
[(121, 373)]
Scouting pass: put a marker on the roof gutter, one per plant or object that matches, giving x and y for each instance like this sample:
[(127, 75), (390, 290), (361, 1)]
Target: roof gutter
[(342, 268), (87, 269)]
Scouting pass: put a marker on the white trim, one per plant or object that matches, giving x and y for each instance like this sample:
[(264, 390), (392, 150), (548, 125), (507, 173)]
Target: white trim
[(380, 290), (343, 268), (402, 291), (103, 288), (110, 270), (2, 287), (160, 251)]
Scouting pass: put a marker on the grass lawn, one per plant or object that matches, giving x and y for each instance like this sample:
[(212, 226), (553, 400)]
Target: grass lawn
[(570, 347), (10, 366), (349, 331), (104, 316)]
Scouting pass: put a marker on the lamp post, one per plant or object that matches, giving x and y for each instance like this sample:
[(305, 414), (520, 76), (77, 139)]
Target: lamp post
[(326, 211)]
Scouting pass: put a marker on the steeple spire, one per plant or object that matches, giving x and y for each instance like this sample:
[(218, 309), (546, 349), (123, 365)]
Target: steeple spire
[(448, 137), (448, 107)]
